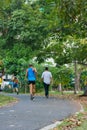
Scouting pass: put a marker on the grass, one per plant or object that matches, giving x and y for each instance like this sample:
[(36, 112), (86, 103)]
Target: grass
[(5, 100), (82, 127), (77, 121)]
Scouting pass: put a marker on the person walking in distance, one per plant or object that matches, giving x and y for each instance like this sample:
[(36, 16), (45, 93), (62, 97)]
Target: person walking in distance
[(15, 85), (31, 75), (47, 78)]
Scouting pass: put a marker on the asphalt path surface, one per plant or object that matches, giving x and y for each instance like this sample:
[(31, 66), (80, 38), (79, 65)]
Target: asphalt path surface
[(34, 115)]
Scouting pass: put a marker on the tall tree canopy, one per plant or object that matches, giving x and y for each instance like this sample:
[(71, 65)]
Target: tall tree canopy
[(51, 28), (67, 22)]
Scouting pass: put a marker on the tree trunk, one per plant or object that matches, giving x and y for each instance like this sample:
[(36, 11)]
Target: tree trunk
[(78, 81), (85, 92), (75, 87), (77, 78)]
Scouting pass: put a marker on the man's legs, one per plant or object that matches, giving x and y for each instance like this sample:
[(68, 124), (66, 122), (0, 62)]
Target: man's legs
[(15, 88), (31, 88), (32, 91), (46, 87), (47, 91)]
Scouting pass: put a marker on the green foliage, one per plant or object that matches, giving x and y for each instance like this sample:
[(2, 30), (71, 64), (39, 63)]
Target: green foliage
[(68, 30), (24, 24), (43, 29)]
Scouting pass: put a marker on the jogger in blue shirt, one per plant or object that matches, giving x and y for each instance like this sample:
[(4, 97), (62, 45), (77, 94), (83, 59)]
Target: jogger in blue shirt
[(31, 76)]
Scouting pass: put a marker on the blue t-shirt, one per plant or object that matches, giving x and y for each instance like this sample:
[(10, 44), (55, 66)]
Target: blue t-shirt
[(31, 75)]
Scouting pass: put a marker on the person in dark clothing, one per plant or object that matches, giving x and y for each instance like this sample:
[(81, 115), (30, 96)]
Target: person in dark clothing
[(47, 78)]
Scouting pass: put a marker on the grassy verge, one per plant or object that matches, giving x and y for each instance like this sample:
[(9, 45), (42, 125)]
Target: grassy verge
[(6, 100), (77, 121)]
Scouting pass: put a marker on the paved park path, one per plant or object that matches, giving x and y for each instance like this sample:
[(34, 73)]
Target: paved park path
[(35, 115)]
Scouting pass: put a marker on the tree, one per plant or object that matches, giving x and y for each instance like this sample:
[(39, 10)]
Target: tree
[(68, 32)]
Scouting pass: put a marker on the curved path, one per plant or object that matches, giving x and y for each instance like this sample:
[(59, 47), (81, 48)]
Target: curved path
[(34, 115)]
